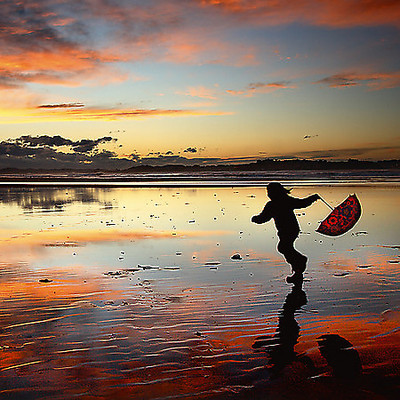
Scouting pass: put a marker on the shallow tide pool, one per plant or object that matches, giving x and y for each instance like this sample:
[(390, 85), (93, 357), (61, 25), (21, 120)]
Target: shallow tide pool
[(114, 293)]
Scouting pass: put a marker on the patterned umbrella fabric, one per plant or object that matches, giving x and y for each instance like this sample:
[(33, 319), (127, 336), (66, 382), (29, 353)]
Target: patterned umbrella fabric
[(342, 218)]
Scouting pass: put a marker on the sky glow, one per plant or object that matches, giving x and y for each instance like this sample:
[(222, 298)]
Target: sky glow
[(228, 79)]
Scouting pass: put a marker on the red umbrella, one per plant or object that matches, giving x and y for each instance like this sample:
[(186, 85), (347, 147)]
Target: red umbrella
[(342, 218)]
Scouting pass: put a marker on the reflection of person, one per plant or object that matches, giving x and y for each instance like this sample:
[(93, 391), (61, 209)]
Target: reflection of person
[(280, 208), (341, 356), (280, 346)]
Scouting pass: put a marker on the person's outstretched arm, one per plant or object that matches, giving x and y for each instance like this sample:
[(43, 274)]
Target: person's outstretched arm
[(307, 201), (264, 216)]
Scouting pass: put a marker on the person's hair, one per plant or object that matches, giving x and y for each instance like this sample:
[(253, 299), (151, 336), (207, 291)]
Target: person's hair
[(276, 190)]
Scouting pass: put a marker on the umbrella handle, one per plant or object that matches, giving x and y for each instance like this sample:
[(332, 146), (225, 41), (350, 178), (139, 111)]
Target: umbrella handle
[(324, 201)]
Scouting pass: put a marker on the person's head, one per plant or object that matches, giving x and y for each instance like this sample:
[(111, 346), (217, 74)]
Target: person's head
[(276, 191)]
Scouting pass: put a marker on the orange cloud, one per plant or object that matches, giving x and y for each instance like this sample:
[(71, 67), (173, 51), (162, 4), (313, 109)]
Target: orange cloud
[(79, 113), (259, 87), (201, 92), (172, 33), (201, 45), (374, 81), (54, 44), (17, 99), (62, 66), (338, 13), (111, 114)]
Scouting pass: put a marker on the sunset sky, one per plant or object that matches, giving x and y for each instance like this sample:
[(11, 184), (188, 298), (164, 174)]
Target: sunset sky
[(116, 82)]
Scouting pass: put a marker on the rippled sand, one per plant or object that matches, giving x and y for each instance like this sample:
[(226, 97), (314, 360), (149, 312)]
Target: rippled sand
[(132, 293)]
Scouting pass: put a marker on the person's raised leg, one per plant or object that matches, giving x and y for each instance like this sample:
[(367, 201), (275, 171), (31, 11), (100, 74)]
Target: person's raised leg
[(297, 261)]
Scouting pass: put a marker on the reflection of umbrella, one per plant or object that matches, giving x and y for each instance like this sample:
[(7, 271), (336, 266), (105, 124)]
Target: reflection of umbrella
[(342, 218)]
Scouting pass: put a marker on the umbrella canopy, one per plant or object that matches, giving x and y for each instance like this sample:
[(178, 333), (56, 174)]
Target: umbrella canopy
[(342, 218)]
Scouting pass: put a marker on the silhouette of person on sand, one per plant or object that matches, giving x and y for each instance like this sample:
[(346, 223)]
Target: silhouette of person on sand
[(281, 208)]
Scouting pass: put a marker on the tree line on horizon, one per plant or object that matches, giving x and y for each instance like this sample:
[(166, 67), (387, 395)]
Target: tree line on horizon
[(268, 164)]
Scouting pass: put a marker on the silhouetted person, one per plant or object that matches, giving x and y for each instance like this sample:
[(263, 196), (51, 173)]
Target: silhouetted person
[(281, 209), (280, 346)]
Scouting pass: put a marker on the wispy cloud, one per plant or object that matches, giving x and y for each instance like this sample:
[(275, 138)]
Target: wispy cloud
[(200, 92), (374, 81), (75, 42), (200, 45), (46, 42), (79, 112), (338, 13), (62, 105), (69, 43), (51, 42), (260, 87), (114, 114), (374, 151)]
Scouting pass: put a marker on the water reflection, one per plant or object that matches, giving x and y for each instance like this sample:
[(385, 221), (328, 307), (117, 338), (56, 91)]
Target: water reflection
[(155, 307), (280, 346), (49, 198), (340, 355)]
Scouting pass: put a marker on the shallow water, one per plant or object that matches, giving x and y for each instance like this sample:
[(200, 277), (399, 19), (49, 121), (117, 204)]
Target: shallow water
[(132, 293)]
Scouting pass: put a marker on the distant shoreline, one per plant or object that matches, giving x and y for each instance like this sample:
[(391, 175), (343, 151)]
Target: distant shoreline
[(265, 166), (206, 178)]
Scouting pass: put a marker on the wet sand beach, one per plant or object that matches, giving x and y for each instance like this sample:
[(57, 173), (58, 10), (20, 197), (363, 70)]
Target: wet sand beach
[(171, 292)]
